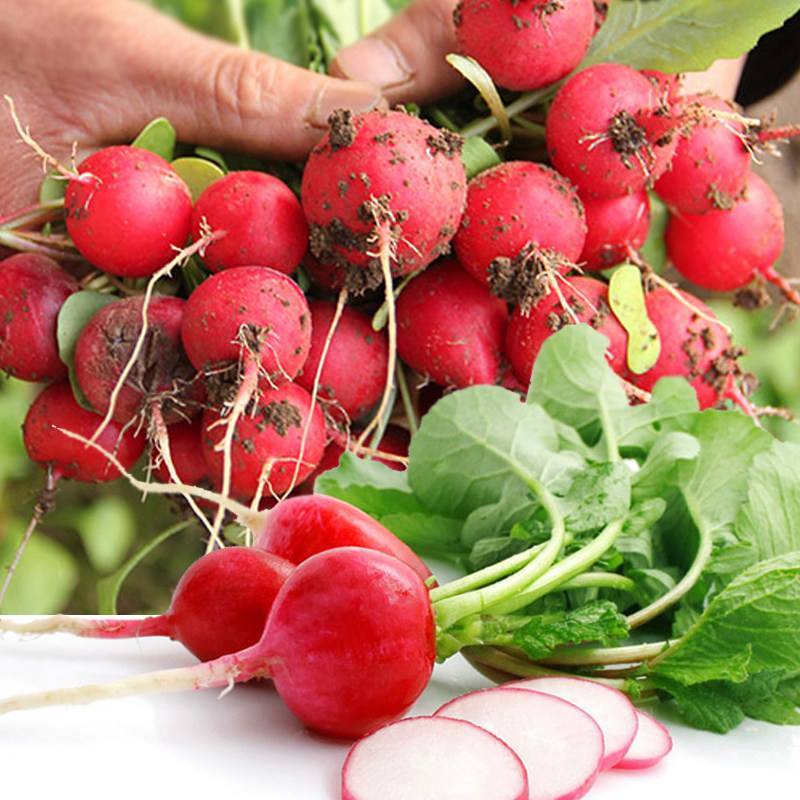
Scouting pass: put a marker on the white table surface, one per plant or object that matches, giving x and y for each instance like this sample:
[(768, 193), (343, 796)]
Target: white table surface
[(246, 745)]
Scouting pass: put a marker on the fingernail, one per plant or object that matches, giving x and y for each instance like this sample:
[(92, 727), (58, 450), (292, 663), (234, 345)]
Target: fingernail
[(372, 59), (356, 97)]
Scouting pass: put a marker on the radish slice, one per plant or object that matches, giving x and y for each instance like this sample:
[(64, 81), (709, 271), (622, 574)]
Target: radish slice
[(560, 745), (651, 744), (609, 708), (427, 757)]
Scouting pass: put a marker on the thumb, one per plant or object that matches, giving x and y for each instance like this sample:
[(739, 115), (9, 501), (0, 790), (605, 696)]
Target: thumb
[(222, 96), (406, 56)]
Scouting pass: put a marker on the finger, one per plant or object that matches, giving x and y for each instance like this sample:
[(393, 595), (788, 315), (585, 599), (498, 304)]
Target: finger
[(222, 96), (406, 56)]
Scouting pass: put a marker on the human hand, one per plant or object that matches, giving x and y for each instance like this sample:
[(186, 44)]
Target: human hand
[(95, 71)]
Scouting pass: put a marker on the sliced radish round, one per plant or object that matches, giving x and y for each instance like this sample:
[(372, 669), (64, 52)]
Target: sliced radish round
[(426, 757), (610, 709), (560, 745), (651, 744)]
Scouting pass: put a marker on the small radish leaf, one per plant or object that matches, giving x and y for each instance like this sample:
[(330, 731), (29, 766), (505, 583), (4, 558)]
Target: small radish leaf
[(108, 588), (158, 137), (626, 298), (480, 79), (212, 155), (478, 155), (654, 250), (683, 35), (197, 173), (52, 188), (76, 312)]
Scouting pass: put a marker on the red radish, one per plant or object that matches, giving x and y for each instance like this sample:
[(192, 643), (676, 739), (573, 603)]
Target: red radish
[(32, 290), (711, 163), (511, 207), (262, 221), (186, 451), (267, 443), (616, 226), (300, 527), (668, 84), (349, 645), (525, 46), (608, 707), (608, 133), (726, 249), (433, 757), (587, 300), (693, 346), (560, 745), (330, 277), (128, 211), (219, 606), (651, 744), (354, 372), (160, 374), (450, 328), (382, 174), (56, 408), (248, 309)]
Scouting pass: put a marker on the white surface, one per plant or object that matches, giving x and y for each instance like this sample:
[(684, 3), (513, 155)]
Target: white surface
[(248, 746)]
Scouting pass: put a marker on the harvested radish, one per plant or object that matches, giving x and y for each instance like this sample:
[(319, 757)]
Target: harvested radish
[(32, 290), (56, 408), (349, 644), (608, 707), (651, 744), (186, 451), (219, 606), (300, 527), (270, 451), (608, 132), (616, 227), (585, 300), (433, 757), (161, 374), (525, 46), (523, 221), (261, 218), (251, 311), (560, 745), (128, 211), (450, 328), (354, 372), (385, 176)]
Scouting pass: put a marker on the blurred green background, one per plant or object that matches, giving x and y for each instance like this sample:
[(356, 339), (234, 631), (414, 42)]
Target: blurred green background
[(94, 531)]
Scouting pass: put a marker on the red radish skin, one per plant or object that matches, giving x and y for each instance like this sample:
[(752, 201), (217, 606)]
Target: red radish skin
[(186, 450), (55, 407), (726, 249), (162, 373), (32, 290), (267, 304), (349, 644), (691, 347), (525, 46), (129, 211), (609, 708), (616, 226), (219, 606), (395, 163), (271, 435), (607, 133), (652, 743), (329, 277), (262, 221), (668, 84), (560, 745), (711, 164), (513, 205), (588, 299), (354, 372), (433, 757), (301, 527), (451, 328)]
